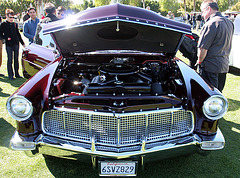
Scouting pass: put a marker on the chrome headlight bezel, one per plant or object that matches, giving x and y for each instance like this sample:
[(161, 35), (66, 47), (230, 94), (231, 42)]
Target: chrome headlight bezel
[(19, 107), (215, 107)]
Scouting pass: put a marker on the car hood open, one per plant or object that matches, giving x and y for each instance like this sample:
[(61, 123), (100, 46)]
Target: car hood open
[(117, 27)]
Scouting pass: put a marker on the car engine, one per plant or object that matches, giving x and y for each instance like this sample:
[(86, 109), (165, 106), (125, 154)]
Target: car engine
[(121, 75)]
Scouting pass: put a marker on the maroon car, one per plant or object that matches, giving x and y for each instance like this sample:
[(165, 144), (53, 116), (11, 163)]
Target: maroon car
[(110, 91)]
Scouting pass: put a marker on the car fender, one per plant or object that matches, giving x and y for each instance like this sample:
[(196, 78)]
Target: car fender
[(39, 84), (198, 90)]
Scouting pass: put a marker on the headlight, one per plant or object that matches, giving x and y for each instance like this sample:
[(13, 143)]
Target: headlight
[(215, 107), (19, 108)]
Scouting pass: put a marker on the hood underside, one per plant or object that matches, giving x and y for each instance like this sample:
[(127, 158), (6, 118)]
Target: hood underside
[(117, 27)]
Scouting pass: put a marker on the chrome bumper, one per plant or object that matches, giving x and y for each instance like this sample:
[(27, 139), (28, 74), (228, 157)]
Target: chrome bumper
[(61, 148)]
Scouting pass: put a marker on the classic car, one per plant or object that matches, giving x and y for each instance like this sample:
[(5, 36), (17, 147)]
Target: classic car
[(109, 90), (234, 57)]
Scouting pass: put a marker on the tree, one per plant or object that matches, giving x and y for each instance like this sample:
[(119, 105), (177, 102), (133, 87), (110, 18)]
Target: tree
[(189, 6), (154, 5), (236, 7), (80, 7), (223, 5), (57, 3), (129, 2), (194, 5), (18, 6), (102, 2), (169, 5)]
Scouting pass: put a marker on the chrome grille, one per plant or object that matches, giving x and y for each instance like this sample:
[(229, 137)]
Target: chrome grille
[(104, 128), (132, 128), (119, 129), (67, 124)]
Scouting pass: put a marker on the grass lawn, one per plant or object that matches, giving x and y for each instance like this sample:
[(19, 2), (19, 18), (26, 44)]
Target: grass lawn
[(222, 163)]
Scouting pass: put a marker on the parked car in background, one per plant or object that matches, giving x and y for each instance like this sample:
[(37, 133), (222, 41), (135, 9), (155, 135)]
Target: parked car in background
[(110, 91), (179, 19), (234, 55)]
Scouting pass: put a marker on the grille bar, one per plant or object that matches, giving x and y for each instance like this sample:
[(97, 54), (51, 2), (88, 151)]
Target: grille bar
[(117, 129)]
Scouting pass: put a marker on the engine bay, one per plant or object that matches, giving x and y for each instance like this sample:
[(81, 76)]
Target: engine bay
[(120, 75), (122, 84)]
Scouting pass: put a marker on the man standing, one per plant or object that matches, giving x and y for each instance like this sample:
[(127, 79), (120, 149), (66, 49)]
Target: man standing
[(214, 45), (187, 17), (50, 17), (198, 21), (50, 11), (30, 26), (9, 32), (61, 12)]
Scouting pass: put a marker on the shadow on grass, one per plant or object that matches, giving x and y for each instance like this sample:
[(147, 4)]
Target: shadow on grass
[(69, 168), (17, 82), (6, 132), (3, 94), (233, 104)]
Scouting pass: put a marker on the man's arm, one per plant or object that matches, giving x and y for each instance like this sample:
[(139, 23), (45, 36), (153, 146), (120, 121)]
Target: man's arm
[(201, 55)]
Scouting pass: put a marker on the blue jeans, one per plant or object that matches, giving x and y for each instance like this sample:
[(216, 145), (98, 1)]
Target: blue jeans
[(12, 50)]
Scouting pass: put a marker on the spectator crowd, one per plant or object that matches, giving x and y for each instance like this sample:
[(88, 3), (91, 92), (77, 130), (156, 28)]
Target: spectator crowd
[(9, 33)]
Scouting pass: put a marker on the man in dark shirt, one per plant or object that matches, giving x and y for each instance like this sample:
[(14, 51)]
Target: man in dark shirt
[(9, 32), (50, 17), (214, 45), (198, 21)]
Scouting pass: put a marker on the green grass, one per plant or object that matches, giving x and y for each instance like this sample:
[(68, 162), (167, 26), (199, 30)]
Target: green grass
[(222, 163)]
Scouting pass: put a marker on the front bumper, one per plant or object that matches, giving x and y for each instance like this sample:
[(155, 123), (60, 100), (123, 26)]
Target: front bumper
[(62, 148)]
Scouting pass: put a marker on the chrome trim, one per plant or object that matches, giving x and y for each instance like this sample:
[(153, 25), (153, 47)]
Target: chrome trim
[(170, 145), (93, 148), (219, 138), (64, 121), (224, 110), (146, 131), (14, 115), (118, 131), (146, 114), (94, 161), (62, 148), (143, 149), (162, 25)]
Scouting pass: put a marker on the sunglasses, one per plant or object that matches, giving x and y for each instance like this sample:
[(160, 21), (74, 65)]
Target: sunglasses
[(60, 14), (10, 17)]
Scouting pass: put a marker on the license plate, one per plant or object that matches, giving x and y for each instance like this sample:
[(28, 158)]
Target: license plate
[(114, 168)]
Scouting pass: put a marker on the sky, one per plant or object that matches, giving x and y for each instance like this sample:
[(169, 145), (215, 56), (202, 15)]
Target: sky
[(77, 1)]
